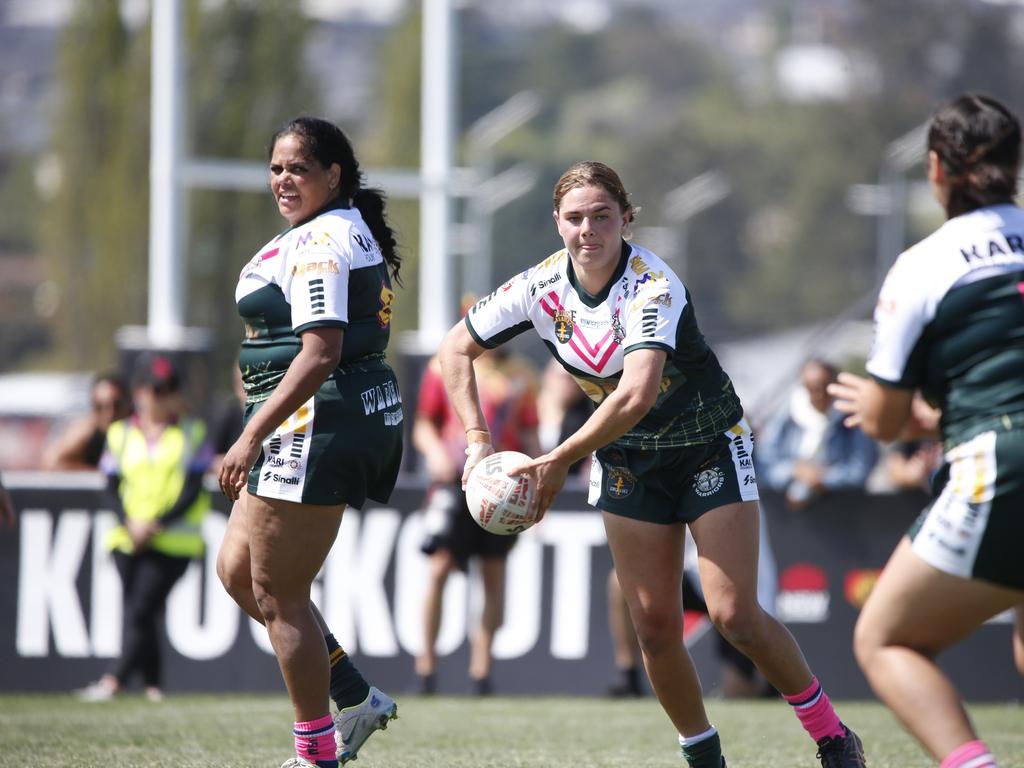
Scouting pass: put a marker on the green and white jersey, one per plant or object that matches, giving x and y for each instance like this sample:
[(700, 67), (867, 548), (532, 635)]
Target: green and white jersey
[(645, 305), (328, 271), (950, 321)]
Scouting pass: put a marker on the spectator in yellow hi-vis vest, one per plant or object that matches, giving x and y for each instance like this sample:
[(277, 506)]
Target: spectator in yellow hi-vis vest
[(155, 461)]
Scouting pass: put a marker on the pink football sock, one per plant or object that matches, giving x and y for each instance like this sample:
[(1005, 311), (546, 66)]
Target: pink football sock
[(815, 712), (314, 740), (973, 754)]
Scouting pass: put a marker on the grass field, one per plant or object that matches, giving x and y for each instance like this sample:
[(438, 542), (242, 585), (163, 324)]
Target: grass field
[(450, 732)]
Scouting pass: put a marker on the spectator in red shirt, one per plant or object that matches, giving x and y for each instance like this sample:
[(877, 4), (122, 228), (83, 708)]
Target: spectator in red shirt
[(508, 397)]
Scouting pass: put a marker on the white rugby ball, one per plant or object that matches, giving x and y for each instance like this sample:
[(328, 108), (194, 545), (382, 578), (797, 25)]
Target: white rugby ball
[(499, 503)]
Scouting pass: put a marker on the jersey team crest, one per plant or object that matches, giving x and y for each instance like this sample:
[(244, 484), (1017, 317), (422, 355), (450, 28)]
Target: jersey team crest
[(563, 325), (620, 482), (708, 482)]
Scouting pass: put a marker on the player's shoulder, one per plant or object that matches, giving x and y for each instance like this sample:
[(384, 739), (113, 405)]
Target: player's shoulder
[(328, 230), (641, 261), (647, 277)]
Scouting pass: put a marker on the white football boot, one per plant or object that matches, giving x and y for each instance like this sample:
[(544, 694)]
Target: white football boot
[(297, 762), (354, 725)]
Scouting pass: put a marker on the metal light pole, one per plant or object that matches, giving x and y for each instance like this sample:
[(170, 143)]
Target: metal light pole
[(687, 200), (887, 200), (900, 156), (436, 309), (166, 202), (493, 191)]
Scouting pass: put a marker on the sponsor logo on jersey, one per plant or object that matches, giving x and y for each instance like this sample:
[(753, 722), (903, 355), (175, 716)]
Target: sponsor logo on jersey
[(311, 239), (708, 482), (507, 286), (619, 482), (378, 398), (618, 332), (993, 249), (280, 461), (553, 259), (640, 267), (545, 283), (329, 267), (369, 247), (283, 479), (563, 321), (393, 418), (387, 298), (256, 260), (648, 277)]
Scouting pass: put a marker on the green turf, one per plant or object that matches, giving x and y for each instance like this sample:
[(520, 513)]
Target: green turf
[(448, 732)]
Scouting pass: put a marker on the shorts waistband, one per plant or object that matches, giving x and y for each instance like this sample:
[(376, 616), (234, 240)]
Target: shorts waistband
[(1004, 422)]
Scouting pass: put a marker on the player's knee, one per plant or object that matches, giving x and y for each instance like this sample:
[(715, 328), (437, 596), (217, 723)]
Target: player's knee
[(266, 600), (866, 642), (741, 623), (236, 581), (657, 631)]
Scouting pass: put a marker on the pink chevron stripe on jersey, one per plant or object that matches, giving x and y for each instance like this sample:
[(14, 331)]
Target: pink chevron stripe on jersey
[(590, 355), (269, 254)]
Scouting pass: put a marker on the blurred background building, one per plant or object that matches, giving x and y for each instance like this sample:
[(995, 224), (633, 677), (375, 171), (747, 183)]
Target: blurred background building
[(795, 108)]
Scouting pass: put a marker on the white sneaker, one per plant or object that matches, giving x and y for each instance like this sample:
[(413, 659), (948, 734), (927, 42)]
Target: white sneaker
[(97, 691), (353, 725), (297, 762)]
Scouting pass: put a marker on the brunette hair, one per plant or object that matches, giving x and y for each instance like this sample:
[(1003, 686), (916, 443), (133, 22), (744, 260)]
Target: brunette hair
[(977, 140), (593, 174)]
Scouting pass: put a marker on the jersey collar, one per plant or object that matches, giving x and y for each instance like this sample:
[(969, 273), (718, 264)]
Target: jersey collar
[(337, 203), (596, 299)]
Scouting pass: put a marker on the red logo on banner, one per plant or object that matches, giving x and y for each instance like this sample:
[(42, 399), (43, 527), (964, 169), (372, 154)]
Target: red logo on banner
[(803, 594), (858, 585), (695, 624)]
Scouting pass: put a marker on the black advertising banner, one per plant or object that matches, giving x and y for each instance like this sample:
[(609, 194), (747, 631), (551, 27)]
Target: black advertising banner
[(62, 604)]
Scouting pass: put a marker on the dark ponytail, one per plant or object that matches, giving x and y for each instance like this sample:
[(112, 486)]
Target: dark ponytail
[(977, 140), (328, 144), (370, 203)]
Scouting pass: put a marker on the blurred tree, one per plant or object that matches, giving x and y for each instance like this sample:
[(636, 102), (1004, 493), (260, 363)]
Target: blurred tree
[(393, 141), (96, 227), (93, 231), (246, 78)]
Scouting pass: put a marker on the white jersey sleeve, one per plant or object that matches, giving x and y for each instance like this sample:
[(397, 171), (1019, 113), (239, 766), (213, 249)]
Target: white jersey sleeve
[(316, 279), (900, 318), (503, 314), (653, 313)]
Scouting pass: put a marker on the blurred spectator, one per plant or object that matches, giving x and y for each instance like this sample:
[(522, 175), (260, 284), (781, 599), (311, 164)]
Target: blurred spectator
[(81, 445), (225, 419), (508, 397), (155, 461), (910, 463), (6, 507), (562, 408), (806, 450)]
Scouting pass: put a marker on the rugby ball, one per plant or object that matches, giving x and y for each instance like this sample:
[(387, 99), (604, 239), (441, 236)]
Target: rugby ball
[(498, 503)]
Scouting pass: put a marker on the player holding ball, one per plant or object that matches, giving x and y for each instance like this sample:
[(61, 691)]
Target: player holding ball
[(671, 449)]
